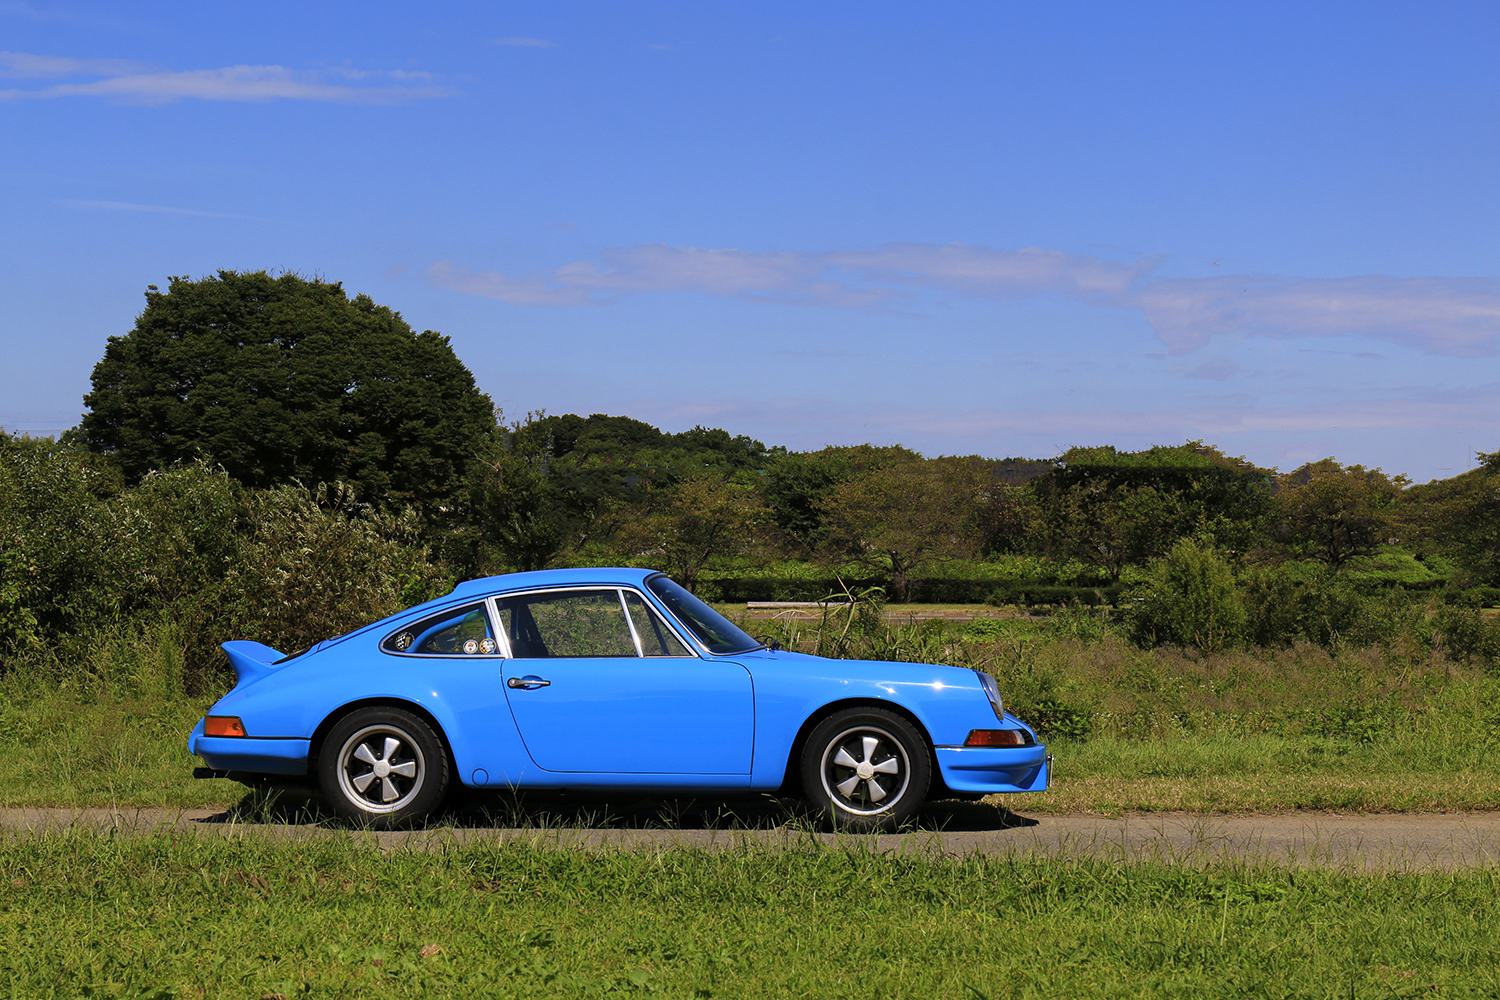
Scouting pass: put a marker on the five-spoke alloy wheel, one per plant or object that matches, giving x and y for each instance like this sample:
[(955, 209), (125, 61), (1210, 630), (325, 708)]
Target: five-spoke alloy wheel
[(383, 767), (866, 768)]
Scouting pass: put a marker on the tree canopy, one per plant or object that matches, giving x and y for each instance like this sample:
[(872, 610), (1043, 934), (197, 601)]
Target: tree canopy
[(286, 378)]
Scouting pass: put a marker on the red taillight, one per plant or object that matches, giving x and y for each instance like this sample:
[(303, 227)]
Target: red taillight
[(995, 738), (223, 725)]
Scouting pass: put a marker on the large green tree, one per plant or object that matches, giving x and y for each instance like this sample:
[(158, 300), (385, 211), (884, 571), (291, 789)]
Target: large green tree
[(1460, 517), (904, 513), (282, 378), (1336, 512), (1115, 508)]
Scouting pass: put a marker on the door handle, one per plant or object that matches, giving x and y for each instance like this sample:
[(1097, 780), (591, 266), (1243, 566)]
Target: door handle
[(528, 682)]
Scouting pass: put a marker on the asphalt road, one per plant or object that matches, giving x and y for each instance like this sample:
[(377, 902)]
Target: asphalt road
[(1373, 842)]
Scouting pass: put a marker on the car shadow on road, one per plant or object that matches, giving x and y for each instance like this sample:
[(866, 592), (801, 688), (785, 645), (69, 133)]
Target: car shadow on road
[(475, 810)]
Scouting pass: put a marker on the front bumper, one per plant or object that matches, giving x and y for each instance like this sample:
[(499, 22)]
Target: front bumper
[(994, 769)]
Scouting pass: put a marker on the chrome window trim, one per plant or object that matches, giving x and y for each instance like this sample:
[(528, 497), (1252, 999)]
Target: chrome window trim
[(635, 637), (680, 628), (668, 620), (673, 627), (483, 605)]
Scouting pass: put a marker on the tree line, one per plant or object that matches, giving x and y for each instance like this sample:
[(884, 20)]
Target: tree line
[(263, 455)]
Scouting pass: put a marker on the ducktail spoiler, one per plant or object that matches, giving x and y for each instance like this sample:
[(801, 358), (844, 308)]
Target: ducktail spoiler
[(251, 660)]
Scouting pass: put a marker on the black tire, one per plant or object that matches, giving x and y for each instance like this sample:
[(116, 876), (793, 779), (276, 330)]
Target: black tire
[(866, 769), (383, 768)]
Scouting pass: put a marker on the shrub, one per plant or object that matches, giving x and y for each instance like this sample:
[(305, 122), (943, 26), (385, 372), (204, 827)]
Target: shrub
[(1189, 599), (1466, 636)]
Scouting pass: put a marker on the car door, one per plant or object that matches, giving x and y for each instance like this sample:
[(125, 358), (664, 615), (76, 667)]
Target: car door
[(598, 683)]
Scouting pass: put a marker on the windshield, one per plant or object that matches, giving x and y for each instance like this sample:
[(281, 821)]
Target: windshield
[(717, 633)]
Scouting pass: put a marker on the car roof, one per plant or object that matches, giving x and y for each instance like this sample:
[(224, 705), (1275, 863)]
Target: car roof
[(593, 575)]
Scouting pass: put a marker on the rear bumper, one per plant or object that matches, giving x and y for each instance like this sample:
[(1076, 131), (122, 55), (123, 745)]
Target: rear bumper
[(994, 769), (259, 756)]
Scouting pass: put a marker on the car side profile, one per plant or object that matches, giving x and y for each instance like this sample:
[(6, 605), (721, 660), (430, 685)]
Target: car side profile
[(604, 679)]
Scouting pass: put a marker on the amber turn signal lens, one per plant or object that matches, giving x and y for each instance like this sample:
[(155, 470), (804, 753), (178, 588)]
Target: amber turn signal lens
[(996, 738), (223, 725)]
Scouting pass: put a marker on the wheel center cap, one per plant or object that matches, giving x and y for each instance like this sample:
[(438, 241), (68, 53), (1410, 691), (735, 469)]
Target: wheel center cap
[(866, 771), (382, 768)]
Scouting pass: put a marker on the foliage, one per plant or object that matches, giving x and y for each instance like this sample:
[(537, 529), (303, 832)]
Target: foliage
[(1336, 512), (511, 518), (192, 548), (591, 460), (798, 484), (899, 515), (1190, 599), (51, 534), (1466, 636), (1115, 508), (285, 378), (1461, 517), (1009, 519), (693, 521), (317, 564)]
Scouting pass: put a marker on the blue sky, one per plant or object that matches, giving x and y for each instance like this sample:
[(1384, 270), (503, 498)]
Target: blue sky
[(997, 228)]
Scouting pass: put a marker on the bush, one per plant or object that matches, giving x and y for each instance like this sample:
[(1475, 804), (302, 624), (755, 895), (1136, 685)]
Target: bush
[(1273, 608), (1466, 636), (1189, 599), (318, 564), (191, 555)]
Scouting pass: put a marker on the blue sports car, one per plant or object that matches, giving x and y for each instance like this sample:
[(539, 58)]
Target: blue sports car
[(596, 679)]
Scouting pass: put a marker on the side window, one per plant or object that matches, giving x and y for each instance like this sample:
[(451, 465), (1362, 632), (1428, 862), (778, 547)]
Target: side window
[(656, 638), (461, 631), (569, 623)]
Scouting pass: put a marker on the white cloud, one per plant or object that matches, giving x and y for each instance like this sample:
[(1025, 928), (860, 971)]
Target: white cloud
[(986, 272), (235, 83), (1474, 409), (1452, 316), (781, 276), (1455, 316), (33, 67), (126, 206), (852, 279)]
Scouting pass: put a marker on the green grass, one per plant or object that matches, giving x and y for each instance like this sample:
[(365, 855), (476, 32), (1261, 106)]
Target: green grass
[(206, 916), (66, 750), (1133, 730)]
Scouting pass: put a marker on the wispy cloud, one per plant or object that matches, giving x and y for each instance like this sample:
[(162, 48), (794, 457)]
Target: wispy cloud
[(34, 67), (1473, 410), (985, 272), (526, 43), (126, 206), (853, 279), (1441, 315), (127, 82), (1456, 316), (780, 277), (1215, 370)]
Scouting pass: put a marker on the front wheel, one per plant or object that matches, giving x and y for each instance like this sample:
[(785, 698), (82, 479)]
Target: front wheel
[(866, 769), (383, 768)]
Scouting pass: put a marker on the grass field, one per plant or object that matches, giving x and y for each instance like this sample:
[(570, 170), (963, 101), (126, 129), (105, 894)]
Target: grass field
[(1133, 730), (191, 915), (86, 915)]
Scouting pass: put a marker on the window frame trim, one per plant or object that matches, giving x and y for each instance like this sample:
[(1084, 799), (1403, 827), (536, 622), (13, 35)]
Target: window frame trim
[(483, 605), (667, 621)]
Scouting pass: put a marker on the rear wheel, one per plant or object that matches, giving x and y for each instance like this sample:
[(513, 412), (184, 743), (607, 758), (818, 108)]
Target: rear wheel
[(866, 769), (383, 768)]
